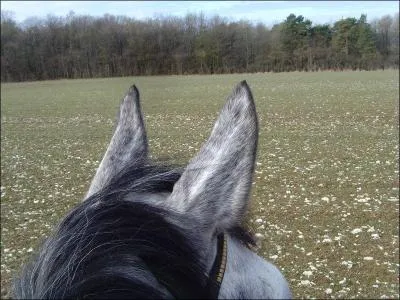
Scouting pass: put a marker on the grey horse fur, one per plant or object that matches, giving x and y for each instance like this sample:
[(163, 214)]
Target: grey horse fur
[(128, 143), (213, 189)]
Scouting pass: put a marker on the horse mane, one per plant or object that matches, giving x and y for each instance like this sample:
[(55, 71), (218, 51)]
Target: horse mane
[(109, 247)]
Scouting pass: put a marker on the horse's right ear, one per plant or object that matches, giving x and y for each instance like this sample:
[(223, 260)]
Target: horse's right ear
[(128, 145), (215, 186)]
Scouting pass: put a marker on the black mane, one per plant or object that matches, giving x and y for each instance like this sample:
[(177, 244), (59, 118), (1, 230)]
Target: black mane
[(110, 247)]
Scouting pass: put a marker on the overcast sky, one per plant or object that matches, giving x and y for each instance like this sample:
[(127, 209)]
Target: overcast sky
[(268, 12)]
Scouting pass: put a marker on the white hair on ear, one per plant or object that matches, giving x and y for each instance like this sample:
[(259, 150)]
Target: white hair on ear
[(128, 144), (216, 183)]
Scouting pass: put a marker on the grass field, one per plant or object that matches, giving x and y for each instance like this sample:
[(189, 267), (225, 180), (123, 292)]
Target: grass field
[(326, 188)]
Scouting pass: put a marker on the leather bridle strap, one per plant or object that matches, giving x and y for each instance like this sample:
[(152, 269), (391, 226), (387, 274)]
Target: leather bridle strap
[(218, 269)]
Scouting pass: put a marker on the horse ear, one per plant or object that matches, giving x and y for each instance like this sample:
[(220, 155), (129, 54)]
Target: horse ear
[(128, 145), (214, 188)]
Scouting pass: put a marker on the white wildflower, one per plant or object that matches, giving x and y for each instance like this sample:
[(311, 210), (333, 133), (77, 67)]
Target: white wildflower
[(259, 236), (362, 200), (348, 264), (375, 236), (306, 282), (327, 239), (307, 273), (356, 230), (326, 199), (393, 199)]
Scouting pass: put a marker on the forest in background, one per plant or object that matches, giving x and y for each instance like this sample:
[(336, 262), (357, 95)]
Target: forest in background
[(82, 46)]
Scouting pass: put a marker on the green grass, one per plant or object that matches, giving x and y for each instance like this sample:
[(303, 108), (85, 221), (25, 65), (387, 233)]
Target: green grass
[(326, 185)]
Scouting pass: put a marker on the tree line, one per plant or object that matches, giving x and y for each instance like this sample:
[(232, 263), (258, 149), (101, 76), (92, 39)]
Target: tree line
[(82, 46)]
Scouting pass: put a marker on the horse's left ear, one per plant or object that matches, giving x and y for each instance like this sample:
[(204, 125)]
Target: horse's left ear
[(128, 145), (215, 186)]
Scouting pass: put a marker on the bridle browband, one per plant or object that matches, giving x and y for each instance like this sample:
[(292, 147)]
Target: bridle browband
[(218, 269)]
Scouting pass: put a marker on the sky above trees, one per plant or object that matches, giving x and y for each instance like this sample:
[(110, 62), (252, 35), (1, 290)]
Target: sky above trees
[(267, 12)]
